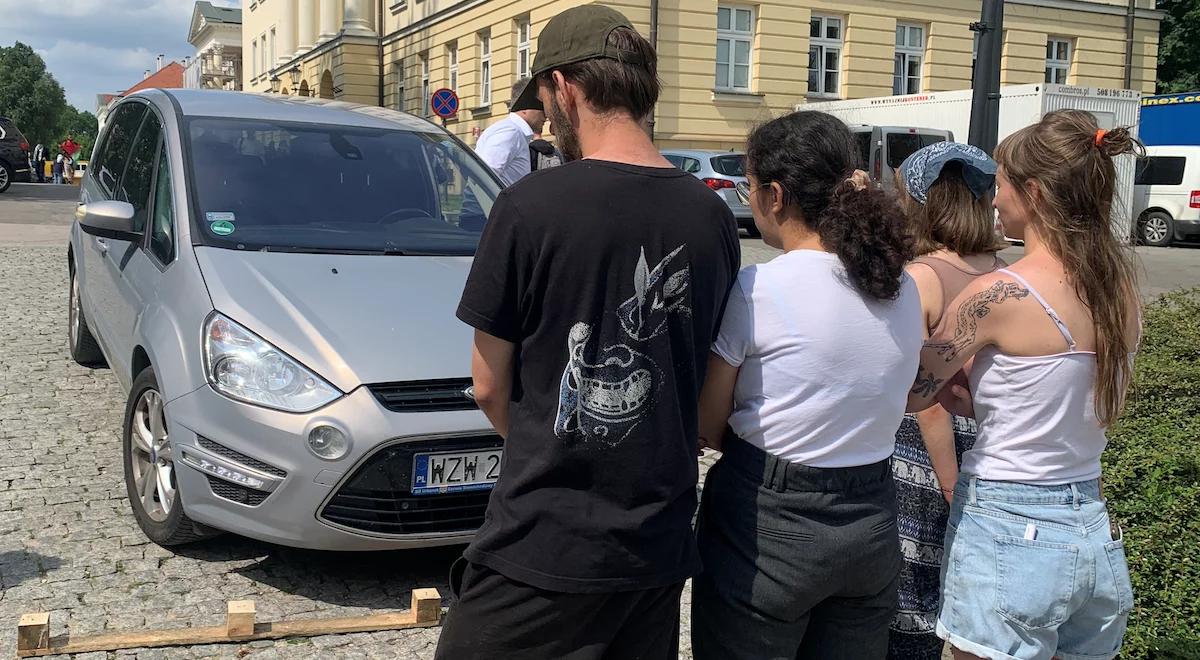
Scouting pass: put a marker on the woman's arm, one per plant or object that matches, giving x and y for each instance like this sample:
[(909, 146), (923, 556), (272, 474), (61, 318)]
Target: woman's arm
[(937, 431), (716, 401), (971, 323)]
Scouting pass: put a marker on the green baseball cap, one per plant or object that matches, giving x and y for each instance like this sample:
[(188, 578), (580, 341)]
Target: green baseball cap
[(577, 34)]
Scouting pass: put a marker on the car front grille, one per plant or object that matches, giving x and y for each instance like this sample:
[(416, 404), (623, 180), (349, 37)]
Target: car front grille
[(425, 395), (236, 493), (222, 450), (377, 497)]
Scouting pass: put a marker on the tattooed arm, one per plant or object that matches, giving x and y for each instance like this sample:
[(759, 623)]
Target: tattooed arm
[(968, 325)]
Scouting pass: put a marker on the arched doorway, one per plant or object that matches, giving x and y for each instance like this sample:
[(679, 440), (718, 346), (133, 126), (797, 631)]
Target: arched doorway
[(326, 85), (303, 88)]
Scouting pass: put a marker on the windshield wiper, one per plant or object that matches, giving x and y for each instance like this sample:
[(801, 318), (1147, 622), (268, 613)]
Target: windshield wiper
[(389, 252)]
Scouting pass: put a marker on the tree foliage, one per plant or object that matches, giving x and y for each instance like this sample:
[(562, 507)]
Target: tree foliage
[(1178, 49), (29, 95)]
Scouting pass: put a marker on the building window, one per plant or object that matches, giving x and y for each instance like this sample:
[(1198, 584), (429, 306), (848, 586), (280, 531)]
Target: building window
[(1058, 60), (452, 65), (254, 58), (735, 35), (264, 64), (272, 45), (398, 72), (485, 69), (824, 55), (523, 48), (425, 100), (910, 50)]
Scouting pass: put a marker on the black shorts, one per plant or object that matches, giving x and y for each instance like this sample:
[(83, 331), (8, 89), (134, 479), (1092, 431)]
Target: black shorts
[(494, 617)]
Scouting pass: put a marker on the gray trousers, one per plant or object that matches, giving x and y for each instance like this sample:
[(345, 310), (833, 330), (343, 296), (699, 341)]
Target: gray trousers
[(799, 562)]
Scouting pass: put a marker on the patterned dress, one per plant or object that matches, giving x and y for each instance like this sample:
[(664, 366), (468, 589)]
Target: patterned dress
[(921, 517)]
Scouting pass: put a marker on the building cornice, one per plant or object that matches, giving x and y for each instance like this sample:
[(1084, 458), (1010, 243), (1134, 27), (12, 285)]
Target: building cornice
[(1093, 7), (430, 20)]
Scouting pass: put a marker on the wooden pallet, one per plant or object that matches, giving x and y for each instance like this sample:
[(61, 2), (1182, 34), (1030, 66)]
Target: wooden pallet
[(33, 631)]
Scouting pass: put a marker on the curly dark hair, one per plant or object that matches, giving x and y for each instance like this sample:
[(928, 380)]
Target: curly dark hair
[(812, 156)]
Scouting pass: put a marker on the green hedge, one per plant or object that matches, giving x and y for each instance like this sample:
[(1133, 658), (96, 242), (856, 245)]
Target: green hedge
[(1152, 482)]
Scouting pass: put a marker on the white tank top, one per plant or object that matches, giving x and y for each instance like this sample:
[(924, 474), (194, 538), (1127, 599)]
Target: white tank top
[(1037, 415)]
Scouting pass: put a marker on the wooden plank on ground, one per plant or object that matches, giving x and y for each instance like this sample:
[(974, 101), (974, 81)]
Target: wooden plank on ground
[(423, 608)]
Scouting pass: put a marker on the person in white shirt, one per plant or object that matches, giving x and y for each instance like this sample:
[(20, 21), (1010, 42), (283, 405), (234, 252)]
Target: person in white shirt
[(810, 371), (504, 145)]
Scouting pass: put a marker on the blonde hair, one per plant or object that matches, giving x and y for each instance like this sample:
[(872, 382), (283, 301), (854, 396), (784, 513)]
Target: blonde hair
[(951, 218), (1070, 162)]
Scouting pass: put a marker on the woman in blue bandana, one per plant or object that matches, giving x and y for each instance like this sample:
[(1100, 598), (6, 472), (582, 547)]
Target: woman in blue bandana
[(945, 190)]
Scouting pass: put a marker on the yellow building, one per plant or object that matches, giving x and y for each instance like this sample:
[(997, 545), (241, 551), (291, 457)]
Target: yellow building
[(725, 64)]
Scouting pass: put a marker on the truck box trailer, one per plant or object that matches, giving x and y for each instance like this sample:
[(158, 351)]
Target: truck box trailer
[(1170, 119), (1020, 106)]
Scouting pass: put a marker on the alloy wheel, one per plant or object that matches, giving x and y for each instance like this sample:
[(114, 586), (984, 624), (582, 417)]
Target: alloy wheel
[(1154, 229), (153, 467)]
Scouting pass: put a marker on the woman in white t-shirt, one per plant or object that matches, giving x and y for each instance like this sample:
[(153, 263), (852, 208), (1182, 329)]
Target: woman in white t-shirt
[(811, 371)]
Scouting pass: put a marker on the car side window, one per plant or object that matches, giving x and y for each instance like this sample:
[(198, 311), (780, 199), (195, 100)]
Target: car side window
[(138, 178), (162, 227), (122, 128), (691, 165), (677, 161)]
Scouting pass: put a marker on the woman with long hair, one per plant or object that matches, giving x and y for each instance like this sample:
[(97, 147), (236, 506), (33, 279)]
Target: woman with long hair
[(945, 190), (1034, 568), (810, 371)]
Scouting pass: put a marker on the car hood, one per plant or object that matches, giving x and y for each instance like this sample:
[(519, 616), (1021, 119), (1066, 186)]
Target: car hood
[(353, 319)]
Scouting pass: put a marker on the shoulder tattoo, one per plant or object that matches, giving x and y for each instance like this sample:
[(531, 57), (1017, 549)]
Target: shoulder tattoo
[(975, 308)]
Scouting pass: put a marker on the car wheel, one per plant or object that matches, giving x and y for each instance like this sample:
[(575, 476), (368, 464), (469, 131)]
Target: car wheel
[(1156, 228), (150, 478), (6, 176), (82, 344)]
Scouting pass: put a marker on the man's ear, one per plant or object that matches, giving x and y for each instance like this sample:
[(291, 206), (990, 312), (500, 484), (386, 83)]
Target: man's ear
[(565, 92)]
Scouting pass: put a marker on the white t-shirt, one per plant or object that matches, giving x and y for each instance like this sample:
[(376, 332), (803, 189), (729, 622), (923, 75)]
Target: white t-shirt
[(504, 146), (825, 371)]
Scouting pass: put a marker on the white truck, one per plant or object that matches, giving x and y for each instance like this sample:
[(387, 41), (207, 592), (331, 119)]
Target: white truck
[(894, 121)]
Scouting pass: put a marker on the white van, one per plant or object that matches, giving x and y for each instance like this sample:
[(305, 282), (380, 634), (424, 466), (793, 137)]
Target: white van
[(1166, 195), (883, 148)]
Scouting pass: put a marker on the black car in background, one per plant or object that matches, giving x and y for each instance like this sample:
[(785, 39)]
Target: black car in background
[(14, 155)]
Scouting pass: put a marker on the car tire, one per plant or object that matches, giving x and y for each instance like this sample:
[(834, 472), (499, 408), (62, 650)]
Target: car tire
[(6, 176), (150, 480), (81, 343), (1156, 228)]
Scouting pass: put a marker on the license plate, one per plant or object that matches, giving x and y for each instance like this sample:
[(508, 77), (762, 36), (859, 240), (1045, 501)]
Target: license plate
[(455, 472)]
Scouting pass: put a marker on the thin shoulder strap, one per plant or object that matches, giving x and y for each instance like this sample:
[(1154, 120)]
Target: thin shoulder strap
[(1062, 327)]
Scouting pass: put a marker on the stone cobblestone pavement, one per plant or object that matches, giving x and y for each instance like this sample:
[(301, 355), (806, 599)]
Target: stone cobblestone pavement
[(70, 546)]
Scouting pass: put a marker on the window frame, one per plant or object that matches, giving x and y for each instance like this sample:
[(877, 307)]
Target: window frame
[(426, 102), (103, 151), (524, 34), (452, 66), (485, 69), (1054, 64), (907, 54), (146, 116), (826, 44), (733, 37), (163, 159), (254, 57), (273, 51)]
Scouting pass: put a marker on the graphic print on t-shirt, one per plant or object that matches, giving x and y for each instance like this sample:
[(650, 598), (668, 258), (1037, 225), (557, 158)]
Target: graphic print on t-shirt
[(607, 390)]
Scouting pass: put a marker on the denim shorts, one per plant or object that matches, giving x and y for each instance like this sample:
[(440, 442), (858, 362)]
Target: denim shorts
[(1033, 572)]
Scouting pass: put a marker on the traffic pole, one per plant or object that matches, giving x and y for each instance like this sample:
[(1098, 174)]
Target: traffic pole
[(985, 88)]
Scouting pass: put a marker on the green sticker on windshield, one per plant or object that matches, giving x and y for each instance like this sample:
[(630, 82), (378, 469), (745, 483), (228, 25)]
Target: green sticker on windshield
[(221, 227)]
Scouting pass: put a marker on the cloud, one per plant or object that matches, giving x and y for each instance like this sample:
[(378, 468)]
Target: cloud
[(99, 46)]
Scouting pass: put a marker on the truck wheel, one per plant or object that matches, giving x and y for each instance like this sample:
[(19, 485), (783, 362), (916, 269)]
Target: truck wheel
[(1156, 228), (149, 462)]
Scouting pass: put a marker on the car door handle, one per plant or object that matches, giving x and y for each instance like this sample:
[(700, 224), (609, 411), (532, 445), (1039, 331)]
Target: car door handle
[(102, 245)]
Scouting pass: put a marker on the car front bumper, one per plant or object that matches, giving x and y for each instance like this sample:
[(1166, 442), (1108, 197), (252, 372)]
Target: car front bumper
[(221, 445)]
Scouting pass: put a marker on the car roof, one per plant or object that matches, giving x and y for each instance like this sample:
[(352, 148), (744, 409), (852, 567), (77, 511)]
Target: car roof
[(277, 107), (1173, 150), (701, 153)]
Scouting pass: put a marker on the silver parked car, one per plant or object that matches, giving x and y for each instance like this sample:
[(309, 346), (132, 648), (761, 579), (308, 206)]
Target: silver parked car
[(721, 171), (273, 282)]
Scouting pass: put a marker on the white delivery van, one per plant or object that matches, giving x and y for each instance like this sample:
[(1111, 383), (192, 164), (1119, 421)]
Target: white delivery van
[(1020, 106), (1166, 194), (883, 148)]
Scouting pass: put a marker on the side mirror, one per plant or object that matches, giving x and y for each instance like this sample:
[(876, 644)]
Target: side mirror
[(108, 219)]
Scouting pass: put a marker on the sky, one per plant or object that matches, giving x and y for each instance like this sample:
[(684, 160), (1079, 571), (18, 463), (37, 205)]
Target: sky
[(99, 46)]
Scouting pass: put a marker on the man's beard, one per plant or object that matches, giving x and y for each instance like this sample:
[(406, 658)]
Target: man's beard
[(564, 132)]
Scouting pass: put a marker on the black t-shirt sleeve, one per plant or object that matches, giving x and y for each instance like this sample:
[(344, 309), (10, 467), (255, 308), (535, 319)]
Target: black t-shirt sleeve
[(491, 299)]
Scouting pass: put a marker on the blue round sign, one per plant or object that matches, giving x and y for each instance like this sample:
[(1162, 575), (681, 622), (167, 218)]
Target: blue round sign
[(444, 103)]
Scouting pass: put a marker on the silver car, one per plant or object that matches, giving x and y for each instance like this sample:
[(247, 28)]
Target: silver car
[(273, 282), (721, 171)]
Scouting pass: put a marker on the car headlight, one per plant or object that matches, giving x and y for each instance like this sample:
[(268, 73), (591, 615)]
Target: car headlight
[(243, 366)]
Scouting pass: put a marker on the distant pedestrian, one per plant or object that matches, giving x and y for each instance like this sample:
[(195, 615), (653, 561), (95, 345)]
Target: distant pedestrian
[(595, 293), (39, 162), (57, 168), (69, 169), (945, 192), (504, 145)]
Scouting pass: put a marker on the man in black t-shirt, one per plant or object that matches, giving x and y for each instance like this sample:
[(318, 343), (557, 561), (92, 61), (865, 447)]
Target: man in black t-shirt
[(596, 292)]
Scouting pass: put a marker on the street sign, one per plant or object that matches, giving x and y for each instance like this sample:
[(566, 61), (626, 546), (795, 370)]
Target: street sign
[(444, 103)]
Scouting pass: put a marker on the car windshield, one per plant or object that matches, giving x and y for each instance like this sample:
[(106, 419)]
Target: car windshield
[(731, 165), (265, 185)]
